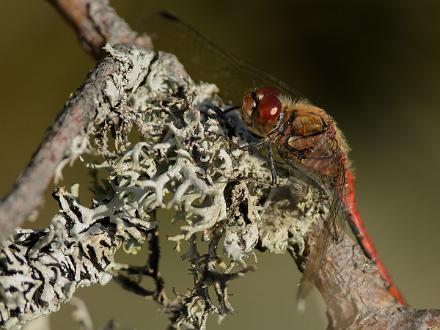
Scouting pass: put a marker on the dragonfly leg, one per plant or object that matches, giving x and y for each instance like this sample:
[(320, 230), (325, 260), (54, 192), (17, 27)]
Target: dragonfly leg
[(273, 171), (221, 111), (228, 140), (251, 146), (246, 147)]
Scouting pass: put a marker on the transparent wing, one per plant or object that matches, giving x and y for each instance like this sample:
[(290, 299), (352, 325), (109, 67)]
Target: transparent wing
[(314, 263), (324, 167), (207, 61), (333, 182)]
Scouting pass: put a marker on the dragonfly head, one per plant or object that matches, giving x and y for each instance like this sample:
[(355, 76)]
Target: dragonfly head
[(261, 109)]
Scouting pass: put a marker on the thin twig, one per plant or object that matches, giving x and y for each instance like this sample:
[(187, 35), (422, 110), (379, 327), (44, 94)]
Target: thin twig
[(97, 23), (150, 269)]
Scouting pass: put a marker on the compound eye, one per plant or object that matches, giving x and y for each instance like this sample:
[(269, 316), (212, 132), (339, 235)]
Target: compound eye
[(269, 108), (266, 91)]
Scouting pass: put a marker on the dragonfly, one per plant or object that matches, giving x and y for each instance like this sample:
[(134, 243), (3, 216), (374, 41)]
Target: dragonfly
[(308, 139)]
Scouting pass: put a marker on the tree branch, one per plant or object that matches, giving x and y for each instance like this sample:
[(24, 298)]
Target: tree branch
[(96, 24), (64, 143), (356, 296), (39, 269)]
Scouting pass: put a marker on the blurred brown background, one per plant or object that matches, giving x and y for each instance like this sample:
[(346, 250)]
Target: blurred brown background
[(374, 65)]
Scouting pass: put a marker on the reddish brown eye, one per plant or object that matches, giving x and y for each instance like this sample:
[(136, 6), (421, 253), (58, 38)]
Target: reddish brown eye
[(269, 108), (266, 91)]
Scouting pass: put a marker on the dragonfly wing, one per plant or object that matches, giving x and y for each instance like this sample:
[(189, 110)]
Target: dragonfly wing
[(314, 262), (327, 161), (323, 166)]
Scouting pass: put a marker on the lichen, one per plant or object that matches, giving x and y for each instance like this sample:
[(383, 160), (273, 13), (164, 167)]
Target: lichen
[(160, 147)]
